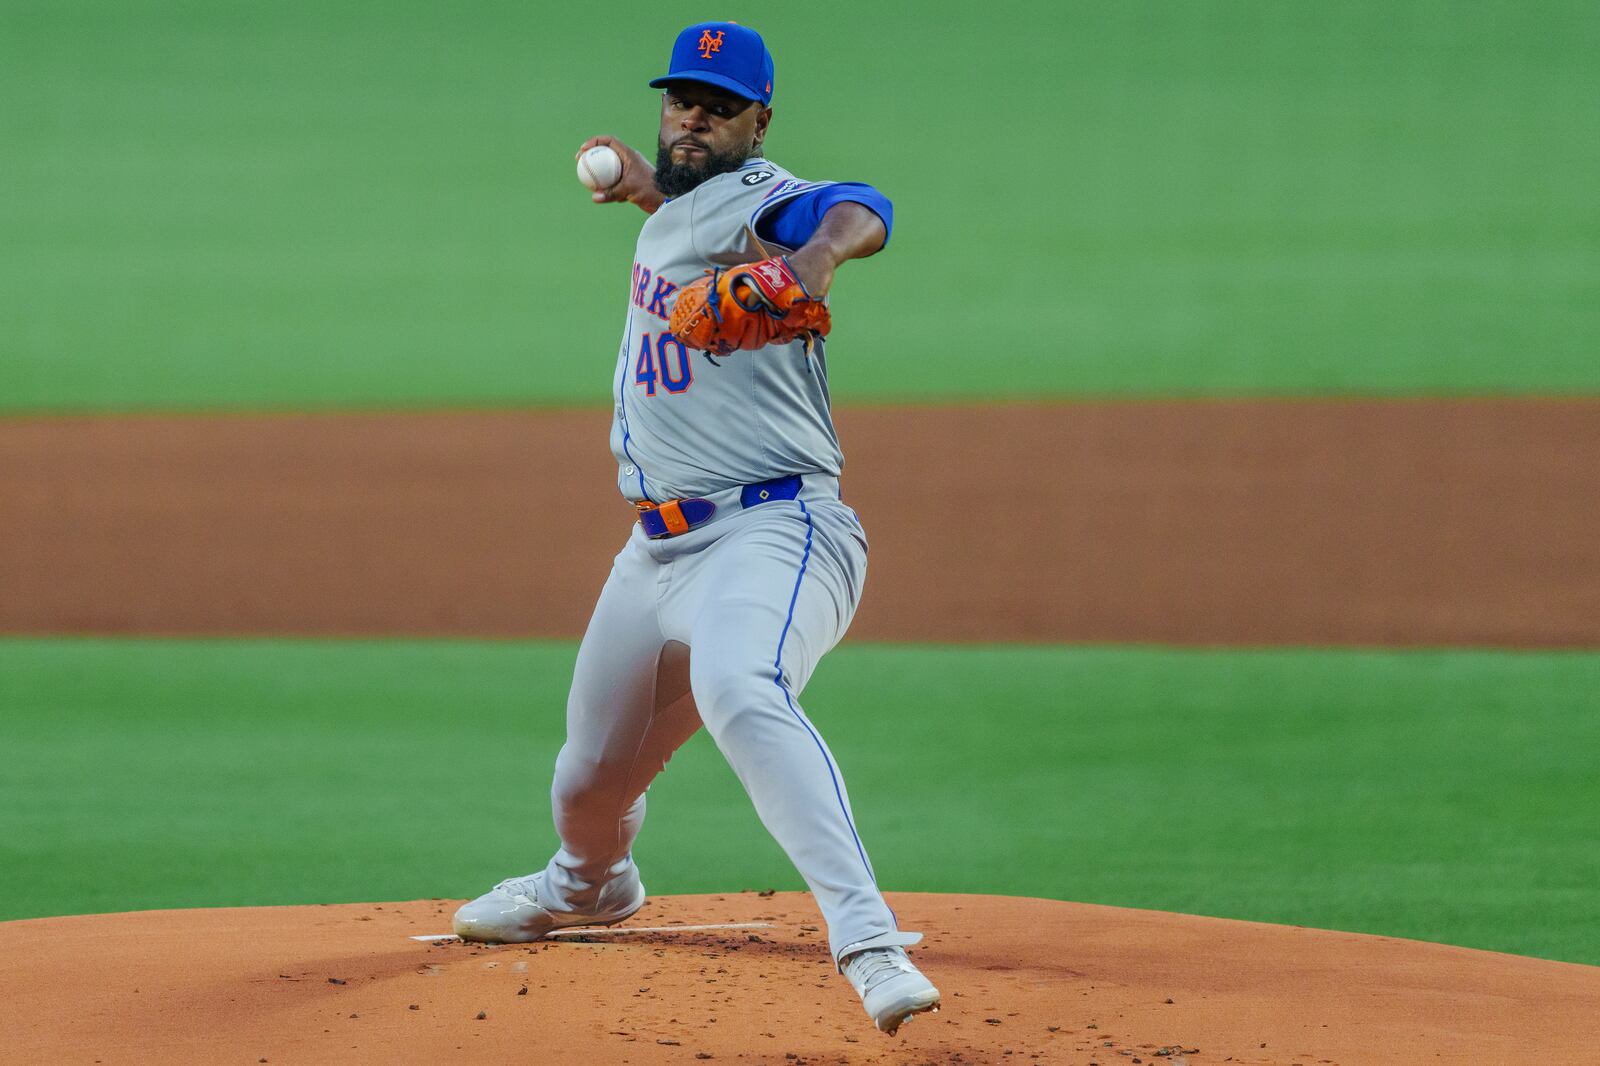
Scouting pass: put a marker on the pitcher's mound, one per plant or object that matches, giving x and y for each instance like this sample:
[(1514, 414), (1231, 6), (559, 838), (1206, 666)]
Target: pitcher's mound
[(1024, 981)]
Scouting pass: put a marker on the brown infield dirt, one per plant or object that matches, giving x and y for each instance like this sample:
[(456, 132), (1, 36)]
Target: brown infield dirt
[(1024, 981), (1312, 522)]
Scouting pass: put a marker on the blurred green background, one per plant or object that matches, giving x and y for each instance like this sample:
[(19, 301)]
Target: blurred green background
[(373, 204)]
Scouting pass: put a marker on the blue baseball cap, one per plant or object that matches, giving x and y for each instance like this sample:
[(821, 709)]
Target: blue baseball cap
[(724, 54)]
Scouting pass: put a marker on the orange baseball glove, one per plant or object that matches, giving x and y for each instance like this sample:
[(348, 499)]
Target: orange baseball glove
[(747, 307)]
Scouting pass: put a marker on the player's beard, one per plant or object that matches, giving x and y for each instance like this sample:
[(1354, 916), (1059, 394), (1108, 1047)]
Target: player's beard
[(678, 179)]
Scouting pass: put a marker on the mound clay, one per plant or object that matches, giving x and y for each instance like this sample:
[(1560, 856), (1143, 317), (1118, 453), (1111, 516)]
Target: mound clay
[(1024, 981)]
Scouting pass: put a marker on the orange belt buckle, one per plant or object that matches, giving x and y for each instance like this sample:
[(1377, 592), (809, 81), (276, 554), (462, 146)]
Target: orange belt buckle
[(670, 514)]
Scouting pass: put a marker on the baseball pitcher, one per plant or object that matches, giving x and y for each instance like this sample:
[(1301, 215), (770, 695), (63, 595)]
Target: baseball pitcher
[(745, 566)]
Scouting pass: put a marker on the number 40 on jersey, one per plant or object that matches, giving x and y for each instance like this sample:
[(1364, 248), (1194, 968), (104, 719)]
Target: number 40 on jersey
[(663, 358)]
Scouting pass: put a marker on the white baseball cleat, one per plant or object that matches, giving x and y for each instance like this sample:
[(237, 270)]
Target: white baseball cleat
[(890, 986), (510, 913)]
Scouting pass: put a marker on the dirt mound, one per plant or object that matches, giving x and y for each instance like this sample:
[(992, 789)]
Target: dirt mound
[(1024, 980), (1408, 522)]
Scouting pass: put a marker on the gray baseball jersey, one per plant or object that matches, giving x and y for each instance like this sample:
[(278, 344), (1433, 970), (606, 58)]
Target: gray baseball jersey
[(686, 423)]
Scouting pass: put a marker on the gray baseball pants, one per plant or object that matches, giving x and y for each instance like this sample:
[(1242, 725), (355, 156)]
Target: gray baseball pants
[(723, 626)]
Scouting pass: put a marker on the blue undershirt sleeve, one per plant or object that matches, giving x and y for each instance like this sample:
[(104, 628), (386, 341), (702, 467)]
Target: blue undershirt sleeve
[(793, 222)]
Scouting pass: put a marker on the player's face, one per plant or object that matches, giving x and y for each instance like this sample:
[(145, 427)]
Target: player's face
[(705, 132)]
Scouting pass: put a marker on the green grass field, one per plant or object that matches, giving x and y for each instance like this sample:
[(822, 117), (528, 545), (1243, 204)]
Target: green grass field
[(369, 205), (1440, 795)]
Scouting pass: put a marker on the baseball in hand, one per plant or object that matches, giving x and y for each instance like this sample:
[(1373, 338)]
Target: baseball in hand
[(600, 167)]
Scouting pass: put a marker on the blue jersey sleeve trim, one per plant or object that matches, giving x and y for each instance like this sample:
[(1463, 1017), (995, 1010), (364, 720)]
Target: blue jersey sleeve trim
[(791, 221)]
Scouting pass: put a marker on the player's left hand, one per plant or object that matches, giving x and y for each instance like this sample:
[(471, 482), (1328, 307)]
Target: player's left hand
[(814, 266), (748, 307)]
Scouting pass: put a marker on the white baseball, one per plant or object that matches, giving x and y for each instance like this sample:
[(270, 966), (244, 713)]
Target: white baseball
[(600, 167)]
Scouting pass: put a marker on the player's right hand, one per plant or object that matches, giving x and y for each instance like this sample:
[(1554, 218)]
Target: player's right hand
[(638, 182)]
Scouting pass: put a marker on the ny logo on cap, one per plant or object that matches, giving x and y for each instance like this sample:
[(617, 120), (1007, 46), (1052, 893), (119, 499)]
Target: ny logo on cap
[(709, 45)]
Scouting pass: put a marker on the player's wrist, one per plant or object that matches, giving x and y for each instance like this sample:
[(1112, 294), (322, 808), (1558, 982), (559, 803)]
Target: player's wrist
[(648, 199), (814, 266)]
